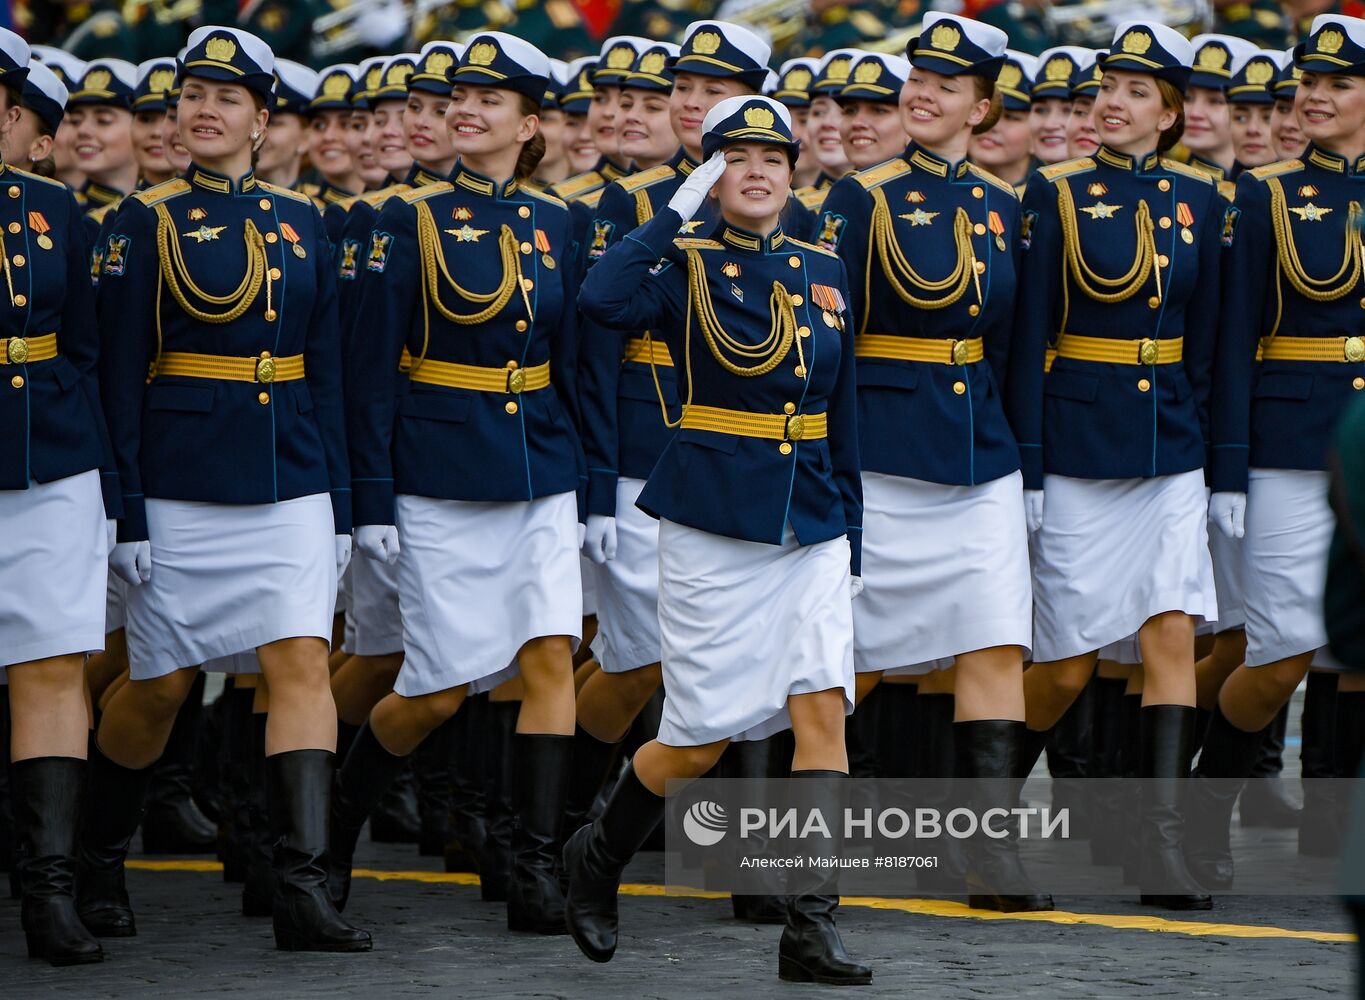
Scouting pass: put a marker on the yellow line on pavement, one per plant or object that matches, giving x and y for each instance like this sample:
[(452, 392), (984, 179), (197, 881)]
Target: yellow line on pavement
[(919, 907)]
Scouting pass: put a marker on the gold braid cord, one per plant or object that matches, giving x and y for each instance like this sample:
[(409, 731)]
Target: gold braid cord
[(895, 266), (1315, 289), (175, 273), (1099, 288), (769, 353), (434, 263)]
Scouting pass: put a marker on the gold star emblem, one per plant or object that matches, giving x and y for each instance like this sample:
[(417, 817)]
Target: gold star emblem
[(467, 234), (198, 215), (204, 234), (1100, 210), (919, 217), (1310, 213), (688, 228)]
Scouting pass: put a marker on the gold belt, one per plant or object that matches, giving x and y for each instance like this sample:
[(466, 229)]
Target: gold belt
[(940, 352), (648, 352), (21, 350), (1120, 352), (476, 377), (1313, 349), (262, 369), (769, 426)]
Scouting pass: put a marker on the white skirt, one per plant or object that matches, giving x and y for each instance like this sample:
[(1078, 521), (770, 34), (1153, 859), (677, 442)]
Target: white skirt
[(236, 663), (374, 608), (587, 572), (1112, 553), (746, 625), (1289, 525), (115, 603), (477, 581), (1229, 580), (628, 589), (53, 569), (945, 571), (343, 607), (231, 577)]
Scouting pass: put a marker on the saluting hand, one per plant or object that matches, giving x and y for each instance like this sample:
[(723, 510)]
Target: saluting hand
[(378, 541), (687, 200), (132, 561)]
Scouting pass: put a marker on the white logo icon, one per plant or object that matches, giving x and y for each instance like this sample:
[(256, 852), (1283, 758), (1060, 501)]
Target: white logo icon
[(705, 823)]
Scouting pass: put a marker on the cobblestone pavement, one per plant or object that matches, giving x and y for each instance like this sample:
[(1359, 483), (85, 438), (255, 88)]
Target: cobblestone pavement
[(439, 939)]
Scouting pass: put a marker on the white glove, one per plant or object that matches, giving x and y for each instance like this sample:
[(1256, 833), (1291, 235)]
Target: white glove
[(599, 542), (582, 534), (1033, 509), (378, 541), (688, 198), (855, 585), (343, 553), (110, 534), (1229, 511), (132, 561)]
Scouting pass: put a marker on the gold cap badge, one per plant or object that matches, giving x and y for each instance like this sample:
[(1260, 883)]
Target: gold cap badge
[(758, 117), (868, 71), (1136, 42), (945, 37), (220, 49), (482, 54), (1330, 41), (706, 42), (1057, 68), (653, 63)]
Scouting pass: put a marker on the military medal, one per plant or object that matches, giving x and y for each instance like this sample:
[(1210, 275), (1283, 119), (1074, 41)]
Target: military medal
[(997, 225), (1185, 217), (40, 225), (543, 245), (831, 300), (730, 269), (1097, 190), (461, 214), (197, 215), (290, 234), (828, 317), (915, 197)]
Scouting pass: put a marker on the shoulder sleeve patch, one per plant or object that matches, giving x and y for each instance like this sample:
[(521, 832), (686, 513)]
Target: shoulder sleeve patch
[(1066, 168), (423, 193), (111, 263), (1275, 169), (645, 178), (1230, 218), (1026, 224), (990, 178), (883, 172), (283, 192), (161, 192)]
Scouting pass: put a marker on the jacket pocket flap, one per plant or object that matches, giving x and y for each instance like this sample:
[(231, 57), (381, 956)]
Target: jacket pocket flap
[(1284, 385), (181, 398), (451, 408), (1072, 385)]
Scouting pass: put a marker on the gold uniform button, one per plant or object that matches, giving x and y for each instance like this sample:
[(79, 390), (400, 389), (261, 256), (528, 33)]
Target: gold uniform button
[(14, 227), (265, 354), (980, 267), (1163, 185), (527, 284), (1358, 382), (263, 398), (265, 204), (800, 371), (803, 331), (788, 407), (1153, 302), (14, 191), (785, 448), (1143, 385), (973, 309), (524, 212), (521, 326), (19, 260), (272, 237), (526, 248), (511, 407), (1162, 259), (512, 366), (1164, 222), (978, 192), (979, 229), (270, 315), (21, 300), (17, 381), (794, 261), (274, 274), (959, 387), (798, 300)]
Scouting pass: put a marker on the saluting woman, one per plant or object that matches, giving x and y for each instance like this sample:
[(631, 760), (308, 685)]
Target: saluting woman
[(222, 388), (759, 506), (52, 574), (467, 475), (930, 242), (1291, 356), (1120, 275)]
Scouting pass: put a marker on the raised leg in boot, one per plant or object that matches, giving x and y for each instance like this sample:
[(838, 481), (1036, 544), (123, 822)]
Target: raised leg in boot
[(1265, 800), (755, 760), (174, 823), (50, 726)]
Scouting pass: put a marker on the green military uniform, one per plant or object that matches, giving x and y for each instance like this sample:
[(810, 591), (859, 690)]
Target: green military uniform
[(138, 30), (286, 26), (553, 26), (1264, 22), (661, 19), (461, 18), (94, 31), (1028, 31), (840, 26)]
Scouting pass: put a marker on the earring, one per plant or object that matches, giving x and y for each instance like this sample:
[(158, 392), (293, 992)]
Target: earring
[(255, 136)]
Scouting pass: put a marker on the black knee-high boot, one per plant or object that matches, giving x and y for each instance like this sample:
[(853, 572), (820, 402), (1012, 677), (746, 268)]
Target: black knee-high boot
[(811, 950), (395, 820), (1106, 750), (990, 754), (114, 804), (299, 786), (1068, 758), (1318, 835), (1265, 801), (594, 762), (9, 845), (432, 768), (367, 773), (234, 821), (540, 777), (756, 760), (1224, 764), (936, 765), (464, 827), (47, 794), (495, 859), (173, 823), (597, 854), (1167, 732), (258, 885)]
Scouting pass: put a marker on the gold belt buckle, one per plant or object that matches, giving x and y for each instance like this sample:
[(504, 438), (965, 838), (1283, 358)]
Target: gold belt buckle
[(516, 380), (796, 427), (1355, 349), (16, 350), (1149, 352), (961, 352), (265, 370)]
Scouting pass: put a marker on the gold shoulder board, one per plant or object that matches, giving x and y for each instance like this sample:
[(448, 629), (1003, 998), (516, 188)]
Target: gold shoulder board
[(811, 247), (1185, 170), (1275, 169), (645, 178), (423, 193), (1067, 168), (161, 192), (283, 192), (882, 173), (572, 187), (990, 178)]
